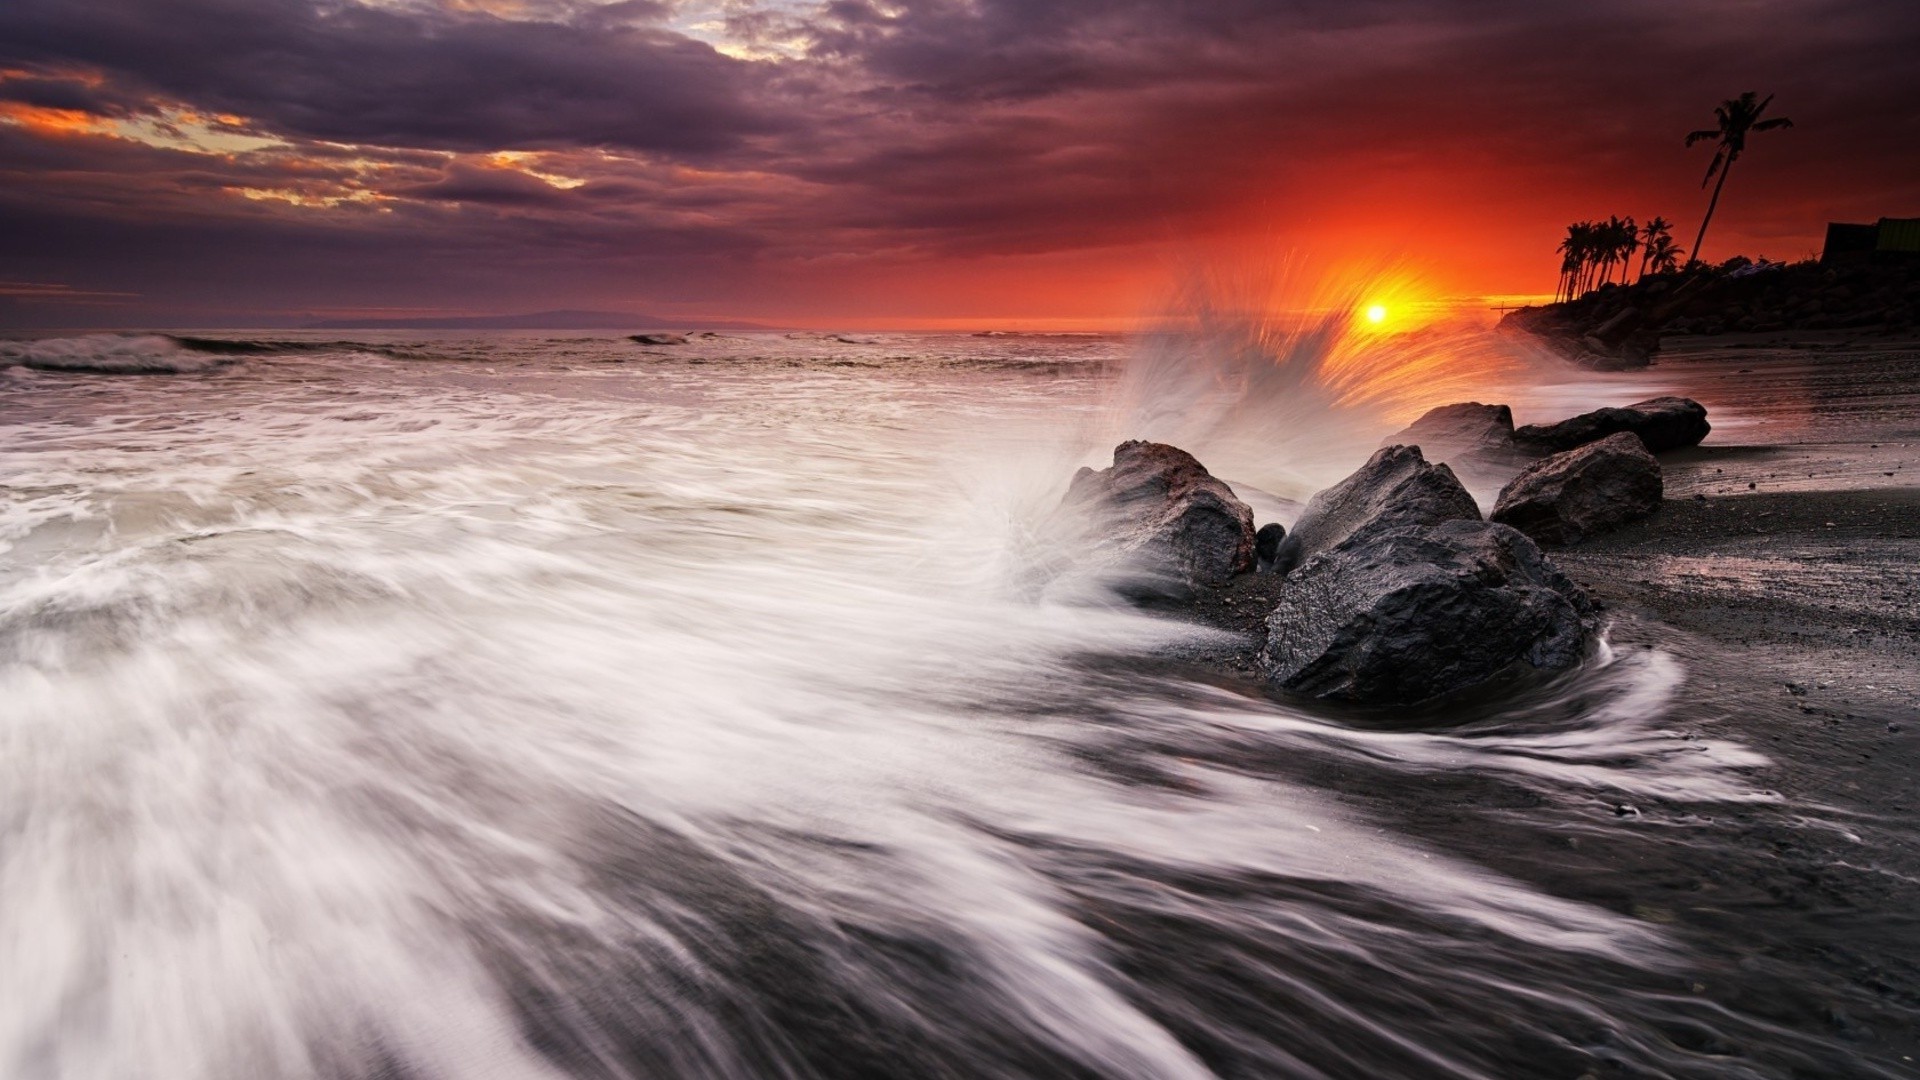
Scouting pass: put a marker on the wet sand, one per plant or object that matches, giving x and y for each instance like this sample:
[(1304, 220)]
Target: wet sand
[(1783, 572), (1785, 569)]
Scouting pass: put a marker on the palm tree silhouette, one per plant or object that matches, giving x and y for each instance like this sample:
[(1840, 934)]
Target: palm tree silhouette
[(1579, 256), (1654, 235), (1624, 240), (1738, 117), (1663, 256), (1592, 249)]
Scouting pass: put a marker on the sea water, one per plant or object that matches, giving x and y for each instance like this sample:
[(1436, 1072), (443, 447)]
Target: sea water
[(529, 705)]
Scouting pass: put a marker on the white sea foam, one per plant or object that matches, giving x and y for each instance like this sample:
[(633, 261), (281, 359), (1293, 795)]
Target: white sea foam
[(119, 354), (354, 705)]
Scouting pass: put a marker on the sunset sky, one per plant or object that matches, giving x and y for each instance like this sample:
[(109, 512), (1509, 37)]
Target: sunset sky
[(879, 164)]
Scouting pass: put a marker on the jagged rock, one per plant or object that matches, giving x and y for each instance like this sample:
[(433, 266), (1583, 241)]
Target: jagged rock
[(1394, 489), (1663, 423), (1416, 613), (1266, 543), (658, 339), (1162, 514), (1463, 429), (1593, 489), (1619, 326)]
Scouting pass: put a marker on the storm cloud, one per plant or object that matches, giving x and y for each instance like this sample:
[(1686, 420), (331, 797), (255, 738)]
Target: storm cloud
[(888, 159)]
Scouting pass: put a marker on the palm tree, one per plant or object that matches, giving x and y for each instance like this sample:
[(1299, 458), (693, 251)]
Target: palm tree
[(1578, 256), (1738, 117), (1625, 240), (1651, 236), (1663, 256)]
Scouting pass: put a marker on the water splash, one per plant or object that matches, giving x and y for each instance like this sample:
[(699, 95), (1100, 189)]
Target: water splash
[(555, 717), (1288, 385)]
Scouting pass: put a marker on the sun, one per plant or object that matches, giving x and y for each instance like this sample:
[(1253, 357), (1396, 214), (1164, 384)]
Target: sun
[(1376, 313)]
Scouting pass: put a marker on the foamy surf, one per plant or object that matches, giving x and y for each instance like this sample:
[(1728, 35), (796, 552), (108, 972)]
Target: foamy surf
[(115, 354), (553, 713)]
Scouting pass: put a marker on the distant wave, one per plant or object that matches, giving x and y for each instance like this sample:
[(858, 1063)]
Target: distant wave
[(114, 354), (281, 346), (1082, 334), (168, 354), (843, 339)]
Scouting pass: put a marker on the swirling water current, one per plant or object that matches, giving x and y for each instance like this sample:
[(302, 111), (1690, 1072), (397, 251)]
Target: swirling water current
[(541, 706)]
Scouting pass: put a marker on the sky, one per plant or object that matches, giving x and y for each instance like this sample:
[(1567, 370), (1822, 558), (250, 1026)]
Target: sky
[(895, 163)]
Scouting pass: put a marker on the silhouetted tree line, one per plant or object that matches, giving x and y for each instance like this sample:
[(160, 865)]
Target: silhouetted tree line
[(1594, 250)]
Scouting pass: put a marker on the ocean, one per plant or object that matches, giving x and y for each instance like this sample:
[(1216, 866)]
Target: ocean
[(534, 705)]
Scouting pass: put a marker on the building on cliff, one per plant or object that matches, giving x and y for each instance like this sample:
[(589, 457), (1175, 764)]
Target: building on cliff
[(1888, 238)]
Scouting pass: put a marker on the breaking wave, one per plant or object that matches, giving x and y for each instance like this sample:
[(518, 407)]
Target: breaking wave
[(111, 354), (541, 717)]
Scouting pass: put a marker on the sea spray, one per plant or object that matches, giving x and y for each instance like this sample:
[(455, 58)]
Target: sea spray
[(576, 712), (1286, 385)]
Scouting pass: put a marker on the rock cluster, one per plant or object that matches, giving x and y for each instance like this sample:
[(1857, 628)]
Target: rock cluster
[(1396, 592), (1468, 429), (1471, 431), (1391, 589), (1621, 325), (1593, 489), (1662, 423), (1161, 515), (1423, 612), (1396, 488)]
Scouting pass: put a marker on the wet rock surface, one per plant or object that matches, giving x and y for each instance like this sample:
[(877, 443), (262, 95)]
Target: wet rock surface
[(1787, 600), (1464, 428), (1396, 488), (1409, 615), (1266, 544), (1663, 424), (1159, 512), (1594, 489)]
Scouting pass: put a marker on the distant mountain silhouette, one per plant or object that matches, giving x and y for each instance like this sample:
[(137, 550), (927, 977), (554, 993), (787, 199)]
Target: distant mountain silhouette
[(539, 320)]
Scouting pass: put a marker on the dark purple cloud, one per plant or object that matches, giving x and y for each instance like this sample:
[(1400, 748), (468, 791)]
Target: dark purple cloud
[(285, 155), (467, 183), (419, 77)]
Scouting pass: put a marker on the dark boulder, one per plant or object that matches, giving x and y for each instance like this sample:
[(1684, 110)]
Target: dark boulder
[(1583, 492), (1419, 613), (658, 339), (1159, 512), (1465, 428), (1663, 423), (1266, 544), (1394, 489)]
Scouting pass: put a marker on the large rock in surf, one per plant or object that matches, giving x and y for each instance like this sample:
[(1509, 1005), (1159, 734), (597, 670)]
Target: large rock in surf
[(1419, 613), (1266, 544), (1396, 488), (1465, 428), (1160, 511), (1580, 493), (1663, 423)]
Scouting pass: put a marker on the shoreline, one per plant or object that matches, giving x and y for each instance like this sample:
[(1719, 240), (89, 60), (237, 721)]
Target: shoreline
[(1783, 573)]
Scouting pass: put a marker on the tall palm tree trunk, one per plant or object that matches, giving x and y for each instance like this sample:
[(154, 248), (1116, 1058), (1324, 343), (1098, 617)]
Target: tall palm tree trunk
[(1711, 204)]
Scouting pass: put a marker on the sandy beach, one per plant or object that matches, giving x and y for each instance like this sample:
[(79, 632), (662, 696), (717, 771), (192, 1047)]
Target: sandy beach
[(1784, 571)]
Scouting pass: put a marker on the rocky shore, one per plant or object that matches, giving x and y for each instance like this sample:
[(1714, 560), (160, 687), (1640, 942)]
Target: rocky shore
[(1390, 588), (1781, 572), (1621, 326)]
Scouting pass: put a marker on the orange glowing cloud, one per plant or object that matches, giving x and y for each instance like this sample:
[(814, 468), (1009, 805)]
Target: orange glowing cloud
[(45, 121)]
